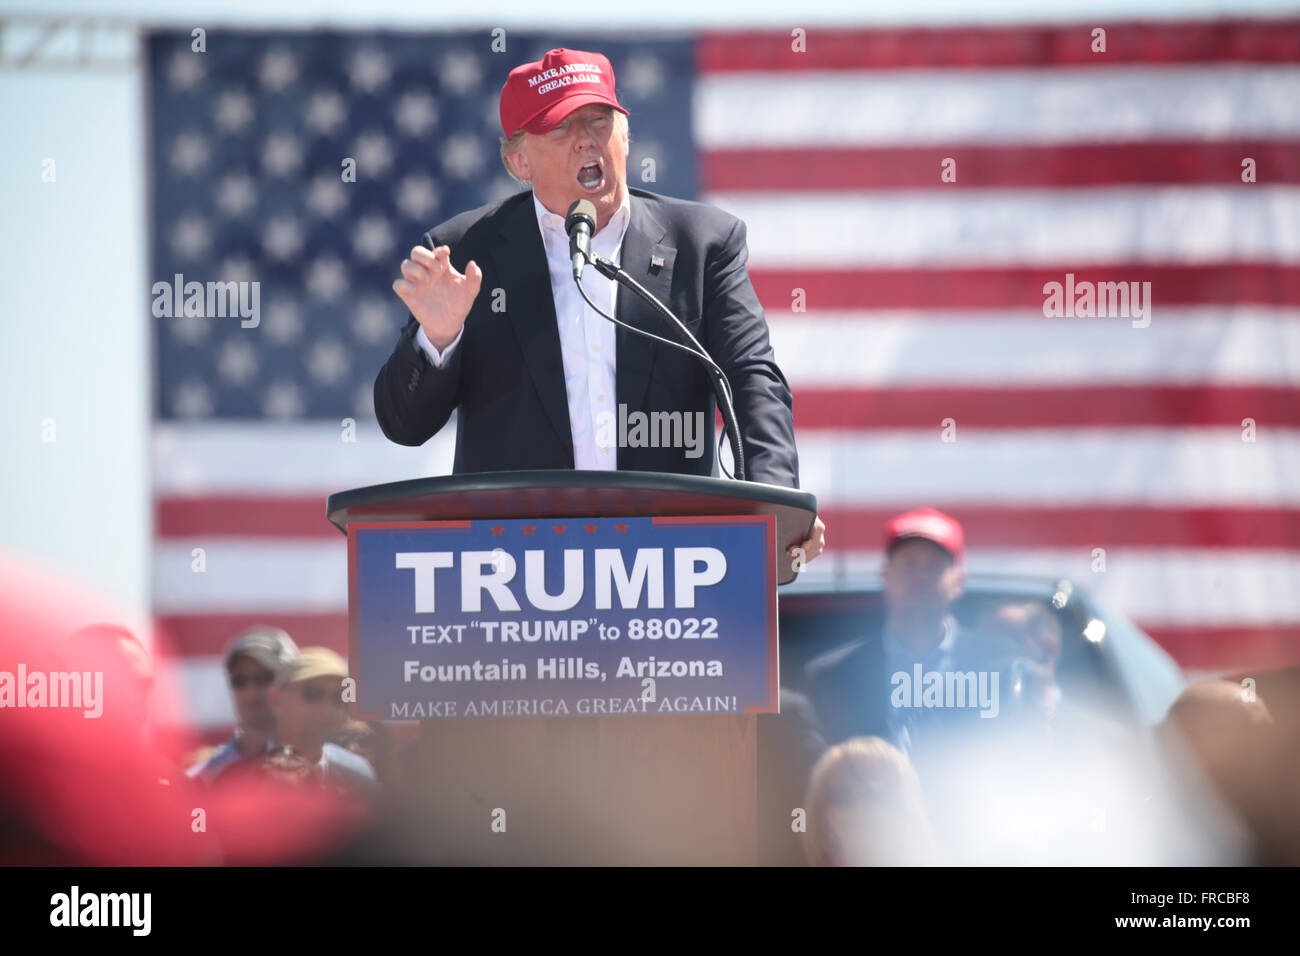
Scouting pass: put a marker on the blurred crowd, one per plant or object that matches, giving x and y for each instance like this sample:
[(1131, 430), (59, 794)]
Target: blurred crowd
[(1027, 774), (870, 752)]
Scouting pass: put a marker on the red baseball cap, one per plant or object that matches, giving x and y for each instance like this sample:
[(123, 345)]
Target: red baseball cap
[(929, 524), (537, 96)]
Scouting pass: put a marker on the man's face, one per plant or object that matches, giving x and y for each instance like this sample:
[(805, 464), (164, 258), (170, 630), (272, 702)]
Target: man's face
[(558, 162), (920, 575), (309, 712), (249, 682), (1025, 634)]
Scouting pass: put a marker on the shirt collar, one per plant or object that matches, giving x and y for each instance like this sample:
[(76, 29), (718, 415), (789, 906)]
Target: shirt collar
[(550, 220), (897, 651), (240, 734)]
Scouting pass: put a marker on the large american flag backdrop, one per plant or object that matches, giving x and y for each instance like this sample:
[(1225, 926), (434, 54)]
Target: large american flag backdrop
[(906, 309)]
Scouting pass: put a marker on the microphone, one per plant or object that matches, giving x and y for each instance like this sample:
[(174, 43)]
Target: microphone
[(580, 223)]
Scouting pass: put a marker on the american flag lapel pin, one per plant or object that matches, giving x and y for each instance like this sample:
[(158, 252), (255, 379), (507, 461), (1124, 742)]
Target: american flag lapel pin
[(656, 262)]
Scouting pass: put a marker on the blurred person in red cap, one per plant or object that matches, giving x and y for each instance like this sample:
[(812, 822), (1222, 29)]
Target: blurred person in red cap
[(537, 375), (81, 783), (252, 661), (853, 689)]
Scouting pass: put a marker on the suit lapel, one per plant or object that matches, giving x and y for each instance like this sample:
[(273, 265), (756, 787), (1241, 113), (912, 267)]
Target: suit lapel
[(530, 304), (650, 262)]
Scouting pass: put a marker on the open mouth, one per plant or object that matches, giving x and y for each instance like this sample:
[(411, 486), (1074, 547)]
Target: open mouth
[(591, 177)]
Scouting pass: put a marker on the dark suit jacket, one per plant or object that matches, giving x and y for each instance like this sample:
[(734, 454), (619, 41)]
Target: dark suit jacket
[(849, 689), (506, 376)]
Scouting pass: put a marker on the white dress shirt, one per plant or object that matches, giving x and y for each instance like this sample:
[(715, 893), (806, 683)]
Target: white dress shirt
[(587, 342)]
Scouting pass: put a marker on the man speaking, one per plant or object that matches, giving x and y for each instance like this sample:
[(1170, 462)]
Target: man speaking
[(499, 329)]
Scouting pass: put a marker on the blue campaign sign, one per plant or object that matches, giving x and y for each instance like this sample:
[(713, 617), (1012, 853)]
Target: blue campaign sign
[(563, 617)]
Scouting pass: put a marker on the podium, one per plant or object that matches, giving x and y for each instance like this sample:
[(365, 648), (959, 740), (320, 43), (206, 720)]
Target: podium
[(638, 789)]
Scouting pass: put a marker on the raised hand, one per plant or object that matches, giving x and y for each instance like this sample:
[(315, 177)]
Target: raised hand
[(438, 296)]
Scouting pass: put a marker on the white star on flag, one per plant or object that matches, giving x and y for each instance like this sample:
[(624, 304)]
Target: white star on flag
[(326, 110), (234, 110), (279, 70), (282, 154), (236, 194), (237, 362), (369, 70), (189, 153)]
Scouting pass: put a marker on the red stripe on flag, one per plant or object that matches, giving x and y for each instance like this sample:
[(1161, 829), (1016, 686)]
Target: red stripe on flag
[(1265, 646), (1029, 407), (256, 516), (1083, 527), (207, 635), (968, 47), (1001, 167), (1219, 283)]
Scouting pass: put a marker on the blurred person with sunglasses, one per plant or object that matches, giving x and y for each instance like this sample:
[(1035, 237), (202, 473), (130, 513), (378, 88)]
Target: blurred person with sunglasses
[(307, 700), (253, 660)]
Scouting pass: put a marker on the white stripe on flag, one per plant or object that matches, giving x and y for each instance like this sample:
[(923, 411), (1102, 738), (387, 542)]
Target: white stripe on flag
[(275, 458), (1019, 227), (1157, 466), (989, 348), (1160, 466), (250, 575), (201, 692), (818, 109)]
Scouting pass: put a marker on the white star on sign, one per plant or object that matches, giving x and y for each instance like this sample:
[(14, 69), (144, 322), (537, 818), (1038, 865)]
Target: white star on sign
[(283, 238), (236, 194), (374, 238), (416, 196), (642, 76), (416, 112), (373, 154), (185, 69), (326, 278), (462, 155), (283, 400), (191, 237), (369, 69), (649, 149), (283, 322), (236, 268), (375, 320), (237, 363), (327, 361), (325, 111), (326, 196), (234, 110), (279, 70), (188, 329), (282, 154), (460, 72), (189, 153), (191, 399)]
